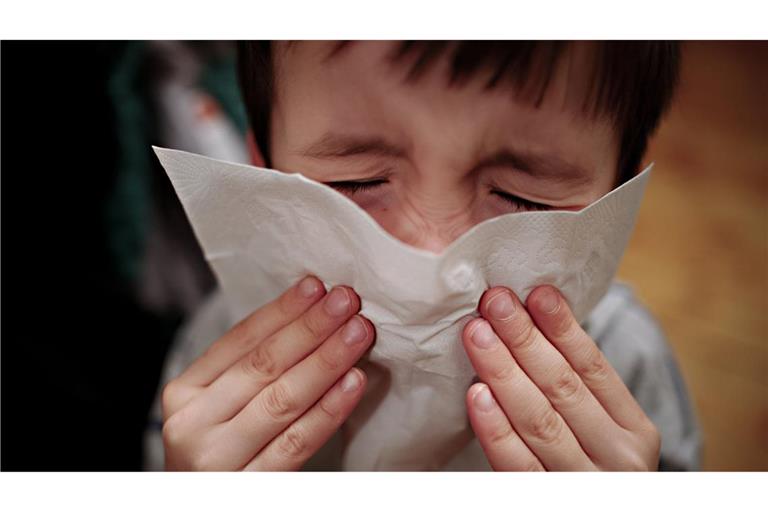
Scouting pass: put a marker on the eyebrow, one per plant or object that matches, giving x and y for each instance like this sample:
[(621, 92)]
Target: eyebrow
[(333, 145), (537, 165)]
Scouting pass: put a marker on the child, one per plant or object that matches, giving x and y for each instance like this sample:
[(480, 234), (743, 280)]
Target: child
[(431, 139)]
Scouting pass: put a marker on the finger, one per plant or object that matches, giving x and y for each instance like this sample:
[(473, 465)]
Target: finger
[(503, 448), (296, 444), (555, 320), (257, 326), (284, 400), (532, 416), (551, 373), (267, 360)]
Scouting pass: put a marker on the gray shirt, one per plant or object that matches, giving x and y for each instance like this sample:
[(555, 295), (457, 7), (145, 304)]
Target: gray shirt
[(622, 327)]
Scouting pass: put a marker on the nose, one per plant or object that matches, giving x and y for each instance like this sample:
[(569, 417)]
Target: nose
[(426, 234), (430, 211), (435, 244)]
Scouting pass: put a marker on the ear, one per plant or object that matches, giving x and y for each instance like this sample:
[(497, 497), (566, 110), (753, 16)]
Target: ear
[(253, 149)]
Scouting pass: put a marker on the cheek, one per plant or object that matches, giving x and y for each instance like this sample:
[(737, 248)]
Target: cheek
[(383, 208), (374, 203)]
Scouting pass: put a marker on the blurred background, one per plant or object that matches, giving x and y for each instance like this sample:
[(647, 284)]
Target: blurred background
[(100, 266), (699, 254)]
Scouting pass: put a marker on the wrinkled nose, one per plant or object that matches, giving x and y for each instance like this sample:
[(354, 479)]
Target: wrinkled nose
[(429, 214), (432, 236)]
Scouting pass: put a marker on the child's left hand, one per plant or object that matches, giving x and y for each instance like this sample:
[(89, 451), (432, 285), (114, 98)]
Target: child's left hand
[(554, 403)]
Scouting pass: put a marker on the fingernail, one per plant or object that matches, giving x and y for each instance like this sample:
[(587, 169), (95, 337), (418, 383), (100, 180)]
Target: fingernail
[(309, 286), (350, 382), (354, 331), (482, 335), (483, 399), (548, 301), (501, 306), (337, 303)]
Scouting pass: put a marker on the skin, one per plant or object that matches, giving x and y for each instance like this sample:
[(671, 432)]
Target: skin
[(272, 390), (439, 175), (268, 394), (548, 399)]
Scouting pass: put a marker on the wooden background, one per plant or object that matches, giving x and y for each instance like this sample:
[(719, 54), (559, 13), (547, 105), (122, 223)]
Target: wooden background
[(699, 255)]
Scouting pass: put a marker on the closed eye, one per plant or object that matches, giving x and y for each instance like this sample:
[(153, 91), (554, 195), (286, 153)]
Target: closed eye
[(520, 203), (351, 187)]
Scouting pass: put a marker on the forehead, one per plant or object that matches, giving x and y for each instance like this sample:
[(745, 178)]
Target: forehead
[(360, 85)]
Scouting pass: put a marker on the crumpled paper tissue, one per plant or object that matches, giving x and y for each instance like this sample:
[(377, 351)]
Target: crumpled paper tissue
[(262, 230)]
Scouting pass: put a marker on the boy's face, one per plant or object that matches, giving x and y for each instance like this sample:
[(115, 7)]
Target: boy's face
[(440, 159)]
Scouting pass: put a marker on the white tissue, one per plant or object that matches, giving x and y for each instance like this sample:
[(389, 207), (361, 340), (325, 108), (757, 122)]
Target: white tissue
[(262, 230)]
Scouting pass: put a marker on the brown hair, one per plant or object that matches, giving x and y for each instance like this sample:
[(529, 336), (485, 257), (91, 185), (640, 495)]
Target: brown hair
[(632, 84)]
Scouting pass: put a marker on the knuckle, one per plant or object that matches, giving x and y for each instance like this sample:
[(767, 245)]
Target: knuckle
[(292, 444), (532, 466), (567, 331), (546, 427), (565, 387), (500, 436), (524, 335), (201, 460), (503, 373), (595, 369), (652, 437), (634, 462), (313, 325), (330, 410), (327, 360), (169, 395), (173, 431), (278, 404), (638, 464), (260, 363)]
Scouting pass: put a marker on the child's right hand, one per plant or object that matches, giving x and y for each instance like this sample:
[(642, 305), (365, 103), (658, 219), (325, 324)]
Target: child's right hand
[(271, 391)]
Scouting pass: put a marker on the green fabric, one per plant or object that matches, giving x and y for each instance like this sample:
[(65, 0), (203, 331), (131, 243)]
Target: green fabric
[(219, 79), (128, 211)]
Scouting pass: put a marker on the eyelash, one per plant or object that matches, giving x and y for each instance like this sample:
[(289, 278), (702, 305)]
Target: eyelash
[(519, 202), (351, 187)]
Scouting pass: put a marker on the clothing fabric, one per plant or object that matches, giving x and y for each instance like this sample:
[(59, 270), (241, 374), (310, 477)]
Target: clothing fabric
[(622, 327)]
